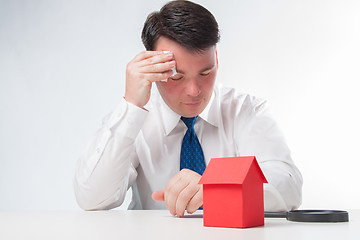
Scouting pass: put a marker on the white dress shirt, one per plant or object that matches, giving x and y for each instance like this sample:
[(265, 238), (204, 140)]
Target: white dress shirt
[(141, 149)]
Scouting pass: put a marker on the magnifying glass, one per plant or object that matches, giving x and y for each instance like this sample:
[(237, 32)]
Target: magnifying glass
[(311, 215)]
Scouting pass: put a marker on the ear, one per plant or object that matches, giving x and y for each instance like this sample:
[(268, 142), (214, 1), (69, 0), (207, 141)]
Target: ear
[(217, 60)]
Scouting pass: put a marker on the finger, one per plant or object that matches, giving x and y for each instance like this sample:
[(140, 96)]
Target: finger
[(158, 67), (196, 202), (172, 191), (171, 197), (157, 58), (158, 195), (180, 176), (155, 77), (146, 54), (184, 198)]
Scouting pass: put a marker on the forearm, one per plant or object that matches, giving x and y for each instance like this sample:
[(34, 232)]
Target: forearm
[(263, 138), (283, 191), (107, 167)]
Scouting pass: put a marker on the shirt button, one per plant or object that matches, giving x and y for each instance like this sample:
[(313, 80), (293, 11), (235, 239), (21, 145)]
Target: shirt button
[(98, 150)]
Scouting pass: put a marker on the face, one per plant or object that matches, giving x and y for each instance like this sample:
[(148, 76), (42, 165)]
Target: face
[(189, 91)]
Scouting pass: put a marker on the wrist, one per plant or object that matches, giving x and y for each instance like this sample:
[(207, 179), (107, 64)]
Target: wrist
[(134, 102)]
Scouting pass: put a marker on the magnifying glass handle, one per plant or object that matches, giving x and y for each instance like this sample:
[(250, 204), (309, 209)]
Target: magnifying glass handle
[(275, 214)]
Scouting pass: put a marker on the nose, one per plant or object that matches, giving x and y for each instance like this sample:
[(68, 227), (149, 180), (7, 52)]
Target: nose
[(192, 88)]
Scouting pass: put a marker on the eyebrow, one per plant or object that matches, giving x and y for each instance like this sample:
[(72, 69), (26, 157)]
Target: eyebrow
[(203, 70)]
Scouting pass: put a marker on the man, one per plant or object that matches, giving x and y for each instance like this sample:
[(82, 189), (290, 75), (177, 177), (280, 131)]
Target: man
[(144, 142)]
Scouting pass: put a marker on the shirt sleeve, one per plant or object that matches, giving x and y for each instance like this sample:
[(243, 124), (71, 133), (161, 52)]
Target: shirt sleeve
[(260, 136), (107, 167)]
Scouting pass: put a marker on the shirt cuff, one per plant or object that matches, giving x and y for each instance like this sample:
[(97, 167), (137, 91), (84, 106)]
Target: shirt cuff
[(273, 202), (127, 119)]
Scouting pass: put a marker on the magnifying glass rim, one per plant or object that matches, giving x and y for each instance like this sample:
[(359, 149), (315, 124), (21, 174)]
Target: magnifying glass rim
[(312, 215)]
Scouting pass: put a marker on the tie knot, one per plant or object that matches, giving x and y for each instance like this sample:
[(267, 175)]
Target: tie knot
[(189, 122)]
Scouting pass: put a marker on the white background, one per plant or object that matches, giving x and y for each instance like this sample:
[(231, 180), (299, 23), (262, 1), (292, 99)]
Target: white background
[(62, 68)]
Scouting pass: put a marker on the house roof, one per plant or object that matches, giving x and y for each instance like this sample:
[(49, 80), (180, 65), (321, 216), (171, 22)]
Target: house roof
[(230, 170)]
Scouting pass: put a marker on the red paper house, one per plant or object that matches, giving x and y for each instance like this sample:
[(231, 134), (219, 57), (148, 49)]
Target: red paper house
[(233, 193)]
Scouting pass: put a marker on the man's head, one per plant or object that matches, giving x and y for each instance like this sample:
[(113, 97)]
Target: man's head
[(187, 23), (191, 33)]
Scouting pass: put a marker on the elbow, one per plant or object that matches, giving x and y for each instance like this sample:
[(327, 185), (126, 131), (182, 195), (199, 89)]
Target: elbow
[(84, 198), (89, 199), (86, 205)]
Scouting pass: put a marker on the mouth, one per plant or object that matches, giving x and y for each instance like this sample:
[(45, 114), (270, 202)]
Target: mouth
[(193, 103)]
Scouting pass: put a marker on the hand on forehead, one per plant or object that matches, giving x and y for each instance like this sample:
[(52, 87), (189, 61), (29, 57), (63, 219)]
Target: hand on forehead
[(188, 61)]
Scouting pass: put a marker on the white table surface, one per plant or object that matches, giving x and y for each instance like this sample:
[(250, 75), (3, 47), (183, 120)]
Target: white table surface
[(159, 224)]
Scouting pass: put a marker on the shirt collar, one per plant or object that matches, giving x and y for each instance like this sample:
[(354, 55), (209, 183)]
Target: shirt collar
[(210, 114), (169, 118)]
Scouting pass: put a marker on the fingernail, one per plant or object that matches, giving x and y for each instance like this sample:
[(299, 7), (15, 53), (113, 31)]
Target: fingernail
[(168, 53), (172, 63)]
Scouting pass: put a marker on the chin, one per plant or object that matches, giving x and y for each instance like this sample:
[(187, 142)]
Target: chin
[(190, 114)]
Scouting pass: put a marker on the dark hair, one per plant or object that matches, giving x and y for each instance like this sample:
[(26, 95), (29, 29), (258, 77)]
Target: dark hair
[(185, 22)]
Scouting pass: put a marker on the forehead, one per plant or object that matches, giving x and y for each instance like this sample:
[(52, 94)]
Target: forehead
[(186, 58)]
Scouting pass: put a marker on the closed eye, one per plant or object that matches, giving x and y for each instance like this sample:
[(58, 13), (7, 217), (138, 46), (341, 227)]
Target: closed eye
[(176, 77), (207, 71), (204, 74)]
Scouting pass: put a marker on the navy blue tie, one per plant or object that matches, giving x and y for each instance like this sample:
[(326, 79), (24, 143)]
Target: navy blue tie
[(191, 156)]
